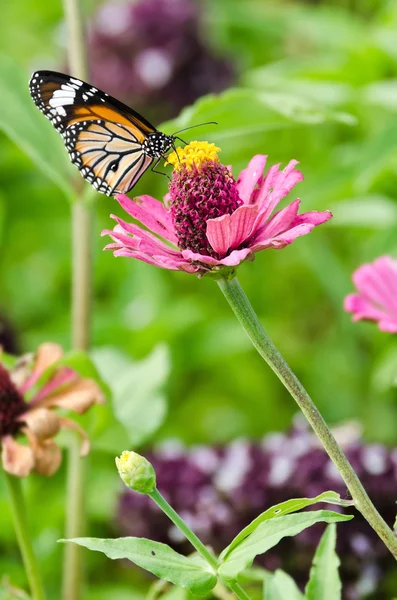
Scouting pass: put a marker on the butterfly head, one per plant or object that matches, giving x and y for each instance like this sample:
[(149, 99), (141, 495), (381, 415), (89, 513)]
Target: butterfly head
[(157, 144)]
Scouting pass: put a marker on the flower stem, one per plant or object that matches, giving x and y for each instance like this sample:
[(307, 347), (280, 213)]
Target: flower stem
[(21, 527), (81, 313), (194, 540), (243, 310)]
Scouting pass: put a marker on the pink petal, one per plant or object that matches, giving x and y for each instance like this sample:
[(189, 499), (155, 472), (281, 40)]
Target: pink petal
[(16, 458), (47, 355), (378, 282), (158, 261), (151, 213), (230, 231), (276, 185), (141, 240), (234, 258), (250, 177), (280, 222), (63, 376), (302, 225), (364, 309)]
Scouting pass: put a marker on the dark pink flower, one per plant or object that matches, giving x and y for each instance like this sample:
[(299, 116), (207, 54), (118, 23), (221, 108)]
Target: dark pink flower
[(377, 294), (209, 221)]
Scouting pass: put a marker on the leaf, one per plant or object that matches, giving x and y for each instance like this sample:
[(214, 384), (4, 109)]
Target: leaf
[(30, 130), (84, 365), (159, 559), (257, 112), (324, 582), (268, 534), (284, 508), (138, 399), (281, 587)]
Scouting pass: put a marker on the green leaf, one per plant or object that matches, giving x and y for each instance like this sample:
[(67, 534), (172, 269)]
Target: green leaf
[(29, 129), (268, 534), (324, 582), (257, 112), (159, 559), (281, 587), (137, 389), (284, 508)]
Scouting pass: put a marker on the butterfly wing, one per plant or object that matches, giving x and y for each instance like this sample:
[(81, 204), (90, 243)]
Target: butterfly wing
[(103, 136)]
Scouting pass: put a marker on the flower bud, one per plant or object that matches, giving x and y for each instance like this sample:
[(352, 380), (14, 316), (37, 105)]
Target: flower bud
[(136, 472)]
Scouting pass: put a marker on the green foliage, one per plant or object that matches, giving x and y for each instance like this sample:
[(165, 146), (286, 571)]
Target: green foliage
[(281, 587), (324, 582), (139, 403), (314, 59), (21, 120), (268, 534), (284, 508), (157, 558)]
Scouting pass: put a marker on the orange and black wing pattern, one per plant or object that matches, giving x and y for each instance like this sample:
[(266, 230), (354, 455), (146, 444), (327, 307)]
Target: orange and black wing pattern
[(104, 137)]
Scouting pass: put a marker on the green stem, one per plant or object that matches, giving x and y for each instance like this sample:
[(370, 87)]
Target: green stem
[(243, 310), (22, 531), (81, 317), (194, 540)]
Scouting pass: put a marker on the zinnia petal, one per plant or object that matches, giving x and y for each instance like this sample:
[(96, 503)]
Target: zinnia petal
[(151, 213), (302, 225), (250, 177), (378, 282), (78, 397), (47, 355), (230, 231), (276, 185), (376, 300), (17, 459)]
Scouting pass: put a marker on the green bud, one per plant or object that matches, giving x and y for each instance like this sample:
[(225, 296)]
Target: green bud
[(136, 472)]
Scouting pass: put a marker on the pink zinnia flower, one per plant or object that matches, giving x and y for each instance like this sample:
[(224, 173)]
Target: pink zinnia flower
[(377, 294), (29, 393), (209, 221)]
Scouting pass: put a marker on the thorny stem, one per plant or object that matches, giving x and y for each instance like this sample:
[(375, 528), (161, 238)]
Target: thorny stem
[(195, 541), (244, 312), (81, 311), (22, 531)]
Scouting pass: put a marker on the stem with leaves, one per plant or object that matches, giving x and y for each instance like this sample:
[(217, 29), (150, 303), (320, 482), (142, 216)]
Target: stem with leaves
[(81, 310), (194, 540), (244, 312), (22, 531)]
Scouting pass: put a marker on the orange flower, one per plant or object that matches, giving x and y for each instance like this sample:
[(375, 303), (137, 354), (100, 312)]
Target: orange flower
[(29, 393)]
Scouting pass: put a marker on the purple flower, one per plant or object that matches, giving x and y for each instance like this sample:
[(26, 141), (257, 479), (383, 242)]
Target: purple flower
[(151, 55), (377, 294), (210, 221)]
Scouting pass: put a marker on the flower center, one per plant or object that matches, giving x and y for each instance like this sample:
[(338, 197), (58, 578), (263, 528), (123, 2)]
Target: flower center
[(12, 405), (201, 188)]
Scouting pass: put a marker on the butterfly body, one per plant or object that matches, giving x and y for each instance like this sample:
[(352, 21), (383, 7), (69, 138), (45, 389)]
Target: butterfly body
[(111, 144)]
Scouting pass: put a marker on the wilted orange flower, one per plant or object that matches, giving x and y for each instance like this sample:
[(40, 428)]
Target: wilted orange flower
[(29, 392)]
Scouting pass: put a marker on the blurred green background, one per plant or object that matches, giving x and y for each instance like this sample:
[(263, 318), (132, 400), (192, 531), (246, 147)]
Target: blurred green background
[(315, 81)]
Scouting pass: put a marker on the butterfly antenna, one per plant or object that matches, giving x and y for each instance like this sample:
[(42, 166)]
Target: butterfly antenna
[(194, 126)]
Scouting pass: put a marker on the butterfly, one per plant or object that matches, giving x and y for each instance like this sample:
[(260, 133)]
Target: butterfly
[(111, 144)]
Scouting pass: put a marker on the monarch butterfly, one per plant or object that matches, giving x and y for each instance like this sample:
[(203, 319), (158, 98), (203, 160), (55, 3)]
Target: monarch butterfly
[(111, 144)]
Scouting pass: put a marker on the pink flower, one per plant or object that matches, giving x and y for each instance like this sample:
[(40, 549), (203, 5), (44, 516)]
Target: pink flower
[(29, 392), (377, 294), (209, 221)]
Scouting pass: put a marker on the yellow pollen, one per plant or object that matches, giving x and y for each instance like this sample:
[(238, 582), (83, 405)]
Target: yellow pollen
[(195, 153)]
